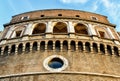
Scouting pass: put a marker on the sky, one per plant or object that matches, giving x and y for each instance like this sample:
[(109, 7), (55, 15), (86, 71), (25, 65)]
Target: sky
[(109, 8)]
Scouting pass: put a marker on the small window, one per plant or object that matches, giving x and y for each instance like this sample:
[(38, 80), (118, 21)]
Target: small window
[(18, 33), (42, 15), (94, 18), (55, 63), (25, 18), (77, 16), (59, 14), (102, 34)]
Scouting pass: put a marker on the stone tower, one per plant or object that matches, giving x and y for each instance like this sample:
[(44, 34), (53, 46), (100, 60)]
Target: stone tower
[(59, 45)]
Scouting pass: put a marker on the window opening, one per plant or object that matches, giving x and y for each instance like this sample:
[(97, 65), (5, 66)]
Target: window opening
[(55, 63)]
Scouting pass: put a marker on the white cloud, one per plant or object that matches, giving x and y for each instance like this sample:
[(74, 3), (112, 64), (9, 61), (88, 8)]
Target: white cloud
[(113, 9), (94, 6), (74, 1)]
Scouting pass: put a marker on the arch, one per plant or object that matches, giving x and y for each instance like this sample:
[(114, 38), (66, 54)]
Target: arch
[(73, 45), (81, 29), (42, 46), (80, 46), (39, 28), (12, 51), (60, 27), (20, 48), (50, 45), (27, 47), (5, 52), (102, 48), (34, 47), (116, 51), (87, 46), (95, 48), (57, 45), (65, 45), (109, 50)]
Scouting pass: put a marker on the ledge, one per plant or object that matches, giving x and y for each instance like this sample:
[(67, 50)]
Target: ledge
[(64, 72), (56, 17)]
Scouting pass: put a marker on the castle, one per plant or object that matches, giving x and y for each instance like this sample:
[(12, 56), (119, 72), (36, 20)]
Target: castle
[(59, 45)]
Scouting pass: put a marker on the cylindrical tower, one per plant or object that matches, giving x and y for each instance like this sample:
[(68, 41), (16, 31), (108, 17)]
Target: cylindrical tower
[(59, 45)]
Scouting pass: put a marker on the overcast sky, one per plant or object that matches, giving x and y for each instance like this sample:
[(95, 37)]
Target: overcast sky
[(109, 8)]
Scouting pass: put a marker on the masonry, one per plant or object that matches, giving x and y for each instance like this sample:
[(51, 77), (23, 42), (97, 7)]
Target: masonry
[(80, 46)]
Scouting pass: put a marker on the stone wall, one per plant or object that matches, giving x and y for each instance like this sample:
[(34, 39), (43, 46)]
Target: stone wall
[(104, 66)]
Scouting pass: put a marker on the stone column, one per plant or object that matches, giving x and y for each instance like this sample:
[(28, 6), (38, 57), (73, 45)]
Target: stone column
[(7, 32), (38, 46), (49, 30), (9, 50), (45, 46), (99, 49), (110, 33), (91, 47), (16, 49), (23, 50), (84, 50), (31, 45), (71, 30), (61, 46), (106, 50), (69, 45), (2, 49), (49, 27), (112, 49), (119, 51), (29, 29), (53, 45), (91, 29), (76, 44)]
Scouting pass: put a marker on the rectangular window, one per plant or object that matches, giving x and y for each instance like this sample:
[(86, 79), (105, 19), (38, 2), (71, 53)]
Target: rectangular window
[(102, 34), (18, 33), (25, 18), (94, 18)]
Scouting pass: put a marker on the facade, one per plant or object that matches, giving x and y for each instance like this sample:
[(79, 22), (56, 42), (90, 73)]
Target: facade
[(59, 45)]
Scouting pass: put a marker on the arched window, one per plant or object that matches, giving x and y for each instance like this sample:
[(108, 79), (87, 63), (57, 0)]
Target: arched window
[(73, 45), (35, 45), (12, 51), (50, 45), (87, 46), (116, 51), (60, 27), (42, 46), (20, 48), (102, 48), (95, 48), (80, 46), (5, 53), (65, 45), (81, 29), (27, 47), (109, 50), (39, 28), (57, 45)]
